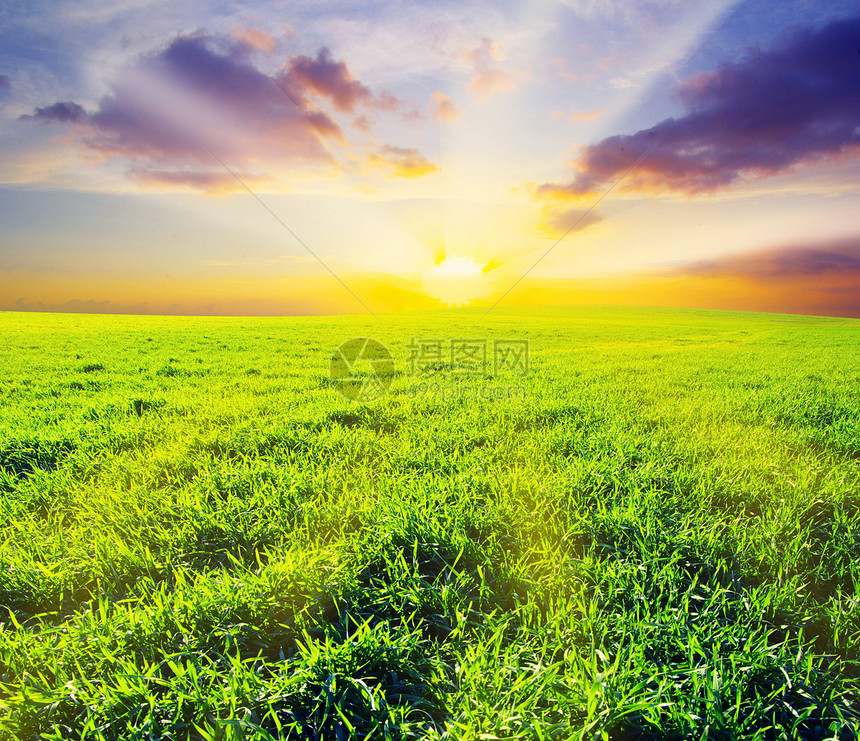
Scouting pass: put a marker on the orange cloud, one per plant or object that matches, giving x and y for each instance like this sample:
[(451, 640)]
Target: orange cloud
[(819, 279), (814, 279), (255, 38), (314, 294), (402, 162), (568, 74), (588, 115), (816, 297), (444, 108), (488, 79)]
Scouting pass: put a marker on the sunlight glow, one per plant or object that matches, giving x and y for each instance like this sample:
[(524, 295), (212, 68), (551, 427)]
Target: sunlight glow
[(457, 281), (455, 265)]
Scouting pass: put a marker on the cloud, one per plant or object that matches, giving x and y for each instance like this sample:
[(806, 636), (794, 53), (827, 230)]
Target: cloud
[(255, 38), (363, 123), (794, 103), (488, 79), (386, 102), (413, 117), (588, 115), (558, 223), (64, 112), (171, 110), (200, 93), (213, 183), (791, 262), (814, 278), (326, 78), (5, 84), (590, 67), (401, 162), (332, 80), (90, 306), (567, 74), (444, 107)]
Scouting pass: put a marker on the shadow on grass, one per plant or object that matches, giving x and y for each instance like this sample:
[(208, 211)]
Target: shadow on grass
[(22, 457)]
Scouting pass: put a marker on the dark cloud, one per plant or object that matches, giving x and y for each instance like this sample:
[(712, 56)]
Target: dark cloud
[(198, 93), (5, 84), (204, 93), (64, 112), (796, 102), (791, 262), (815, 278)]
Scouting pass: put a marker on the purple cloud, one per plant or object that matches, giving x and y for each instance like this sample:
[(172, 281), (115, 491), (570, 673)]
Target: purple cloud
[(326, 78), (206, 181), (796, 102), (5, 84), (194, 95), (166, 112), (64, 112), (837, 258)]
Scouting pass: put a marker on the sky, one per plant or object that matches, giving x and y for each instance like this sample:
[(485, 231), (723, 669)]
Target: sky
[(316, 157)]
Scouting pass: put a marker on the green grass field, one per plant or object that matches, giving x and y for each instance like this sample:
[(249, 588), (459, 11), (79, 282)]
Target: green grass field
[(653, 534)]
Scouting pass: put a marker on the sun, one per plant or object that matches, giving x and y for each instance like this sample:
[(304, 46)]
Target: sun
[(456, 266), (457, 281)]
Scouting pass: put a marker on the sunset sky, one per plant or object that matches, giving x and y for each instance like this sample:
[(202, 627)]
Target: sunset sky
[(310, 157)]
